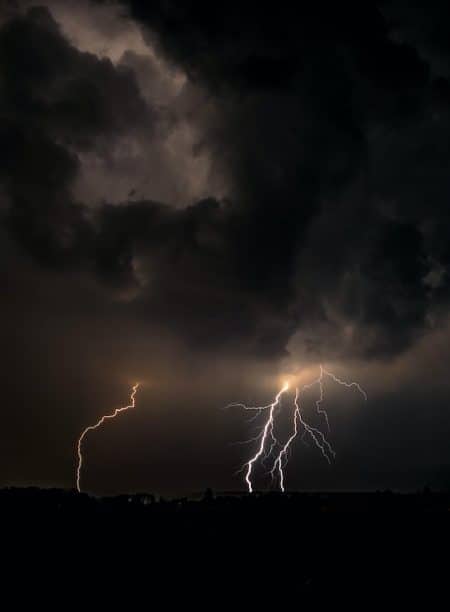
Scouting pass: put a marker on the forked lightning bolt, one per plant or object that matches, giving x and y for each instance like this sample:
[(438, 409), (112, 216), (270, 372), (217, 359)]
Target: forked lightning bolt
[(265, 451), (99, 423), (317, 436), (320, 410), (266, 432)]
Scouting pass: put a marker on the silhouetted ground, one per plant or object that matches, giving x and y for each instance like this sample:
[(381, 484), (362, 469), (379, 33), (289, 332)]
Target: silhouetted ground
[(324, 548), (64, 502)]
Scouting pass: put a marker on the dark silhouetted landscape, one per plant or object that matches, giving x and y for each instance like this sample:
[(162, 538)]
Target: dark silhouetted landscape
[(328, 548)]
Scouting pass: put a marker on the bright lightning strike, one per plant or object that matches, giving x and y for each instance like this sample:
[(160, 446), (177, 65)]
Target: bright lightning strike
[(99, 423), (317, 436), (268, 441), (266, 433)]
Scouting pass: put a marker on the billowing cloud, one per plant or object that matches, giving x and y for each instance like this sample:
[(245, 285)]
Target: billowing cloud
[(315, 235)]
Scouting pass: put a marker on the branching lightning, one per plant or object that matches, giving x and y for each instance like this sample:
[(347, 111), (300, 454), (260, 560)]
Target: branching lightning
[(267, 431), (99, 423), (268, 440), (346, 384), (316, 435)]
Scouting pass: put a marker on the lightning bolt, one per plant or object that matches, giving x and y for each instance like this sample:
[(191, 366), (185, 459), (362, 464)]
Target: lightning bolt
[(346, 384), (319, 409), (266, 433), (299, 425), (317, 436), (99, 423)]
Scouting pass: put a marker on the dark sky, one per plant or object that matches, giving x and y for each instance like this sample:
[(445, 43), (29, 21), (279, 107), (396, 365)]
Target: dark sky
[(210, 196)]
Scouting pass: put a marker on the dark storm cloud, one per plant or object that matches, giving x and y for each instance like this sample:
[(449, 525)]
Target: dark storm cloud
[(334, 133), (323, 125), (55, 102), (70, 96), (423, 26), (59, 101)]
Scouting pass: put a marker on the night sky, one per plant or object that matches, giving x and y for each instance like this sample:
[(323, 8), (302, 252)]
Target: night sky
[(208, 197)]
